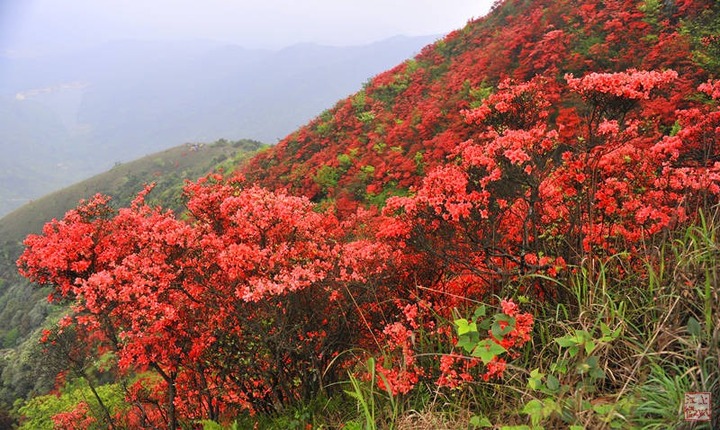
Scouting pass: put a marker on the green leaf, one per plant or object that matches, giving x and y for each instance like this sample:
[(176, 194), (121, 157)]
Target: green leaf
[(593, 362), (485, 324), (589, 347), (468, 342), (608, 334), (464, 326), (550, 406), (573, 350), (210, 425), (603, 409), (559, 367), (693, 327), (597, 373), (553, 383), (352, 394), (480, 312), (487, 350), (605, 329), (353, 425), (582, 336), (566, 341), (499, 332), (535, 380), (480, 421), (533, 408)]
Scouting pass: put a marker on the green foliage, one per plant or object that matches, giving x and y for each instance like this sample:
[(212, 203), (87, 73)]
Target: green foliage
[(359, 101), (389, 93), (478, 421), (325, 123), (652, 10), (212, 425), (38, 412), (327, 177), (469, 339), (479, 94), (419, 160), (366, 117), (389, 190), (379, 147), (366, 172), (661, 396), (345, 160), (612, 323), (705, 35)]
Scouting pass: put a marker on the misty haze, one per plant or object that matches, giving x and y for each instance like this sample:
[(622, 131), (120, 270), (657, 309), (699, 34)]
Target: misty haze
[(66, 117)]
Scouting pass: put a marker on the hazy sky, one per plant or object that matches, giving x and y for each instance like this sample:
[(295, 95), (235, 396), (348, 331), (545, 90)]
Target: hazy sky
[(46, 25)]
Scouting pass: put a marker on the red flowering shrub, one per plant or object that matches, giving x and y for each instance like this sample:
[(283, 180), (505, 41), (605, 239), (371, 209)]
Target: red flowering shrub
[(403, 372), (243, 306), (77, 419), (490, 160), (422, 347), (520, 198)]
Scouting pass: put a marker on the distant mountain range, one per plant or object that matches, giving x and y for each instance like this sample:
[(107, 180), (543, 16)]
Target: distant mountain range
[(67, 117)]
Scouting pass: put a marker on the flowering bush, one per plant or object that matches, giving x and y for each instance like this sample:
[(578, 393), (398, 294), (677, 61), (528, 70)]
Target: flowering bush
[(243, 306), (520, 198), (476, 350)]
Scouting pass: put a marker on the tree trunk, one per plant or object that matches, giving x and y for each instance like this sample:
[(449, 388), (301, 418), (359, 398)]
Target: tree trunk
[(170, 379)]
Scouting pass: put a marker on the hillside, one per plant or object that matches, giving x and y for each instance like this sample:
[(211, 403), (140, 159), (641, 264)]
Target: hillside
[(516, 229), (168, 169), (68, 117), (410, 118)]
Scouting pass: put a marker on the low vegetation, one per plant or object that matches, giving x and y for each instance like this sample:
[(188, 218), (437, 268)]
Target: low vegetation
[(621, 354)]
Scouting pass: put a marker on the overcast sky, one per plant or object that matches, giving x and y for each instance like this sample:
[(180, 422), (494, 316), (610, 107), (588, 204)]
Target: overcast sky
[(46, 25)]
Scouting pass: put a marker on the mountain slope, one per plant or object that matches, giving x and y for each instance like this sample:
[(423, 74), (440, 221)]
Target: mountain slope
[(535, 188), (409, 119), (168, 169)]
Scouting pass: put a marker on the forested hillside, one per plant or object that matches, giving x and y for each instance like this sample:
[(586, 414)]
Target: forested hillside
[(515, 229)]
